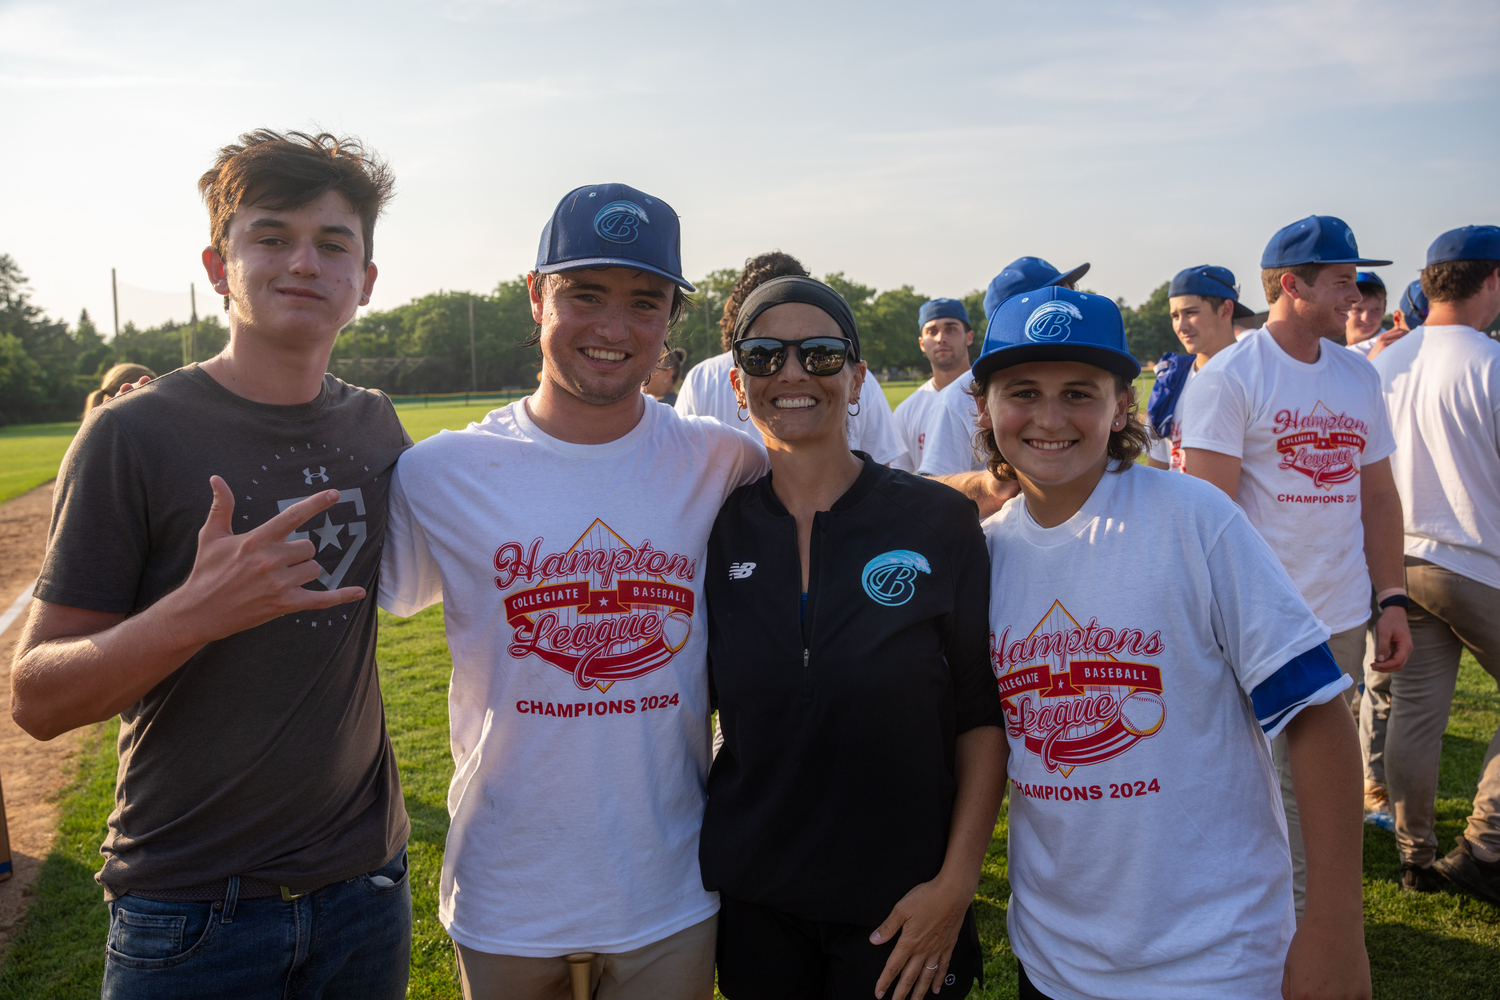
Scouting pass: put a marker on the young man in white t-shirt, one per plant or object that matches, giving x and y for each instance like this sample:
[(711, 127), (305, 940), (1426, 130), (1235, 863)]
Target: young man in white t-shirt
[(1204, 303), (565, 535), (944, 338), (1442, 386), (1298, 435), (706, 392), (948, 449), (1367, 316)]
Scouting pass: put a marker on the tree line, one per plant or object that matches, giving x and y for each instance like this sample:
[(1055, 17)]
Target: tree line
[(47, 367)]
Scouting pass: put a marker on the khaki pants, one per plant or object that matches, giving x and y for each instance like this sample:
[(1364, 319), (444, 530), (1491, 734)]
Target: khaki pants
[(1374, 715), (1449, 613), (679, 967), (1348, 649)]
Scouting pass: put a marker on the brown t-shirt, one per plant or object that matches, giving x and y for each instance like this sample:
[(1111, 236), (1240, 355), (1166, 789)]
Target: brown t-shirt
[(265, 754)]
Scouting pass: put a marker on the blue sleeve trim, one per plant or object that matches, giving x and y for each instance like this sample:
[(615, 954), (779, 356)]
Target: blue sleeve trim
[(1310, 678)]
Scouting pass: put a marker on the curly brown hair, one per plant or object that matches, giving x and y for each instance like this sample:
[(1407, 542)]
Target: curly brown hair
[(1456, 280), (1125, 445), (758, 270)]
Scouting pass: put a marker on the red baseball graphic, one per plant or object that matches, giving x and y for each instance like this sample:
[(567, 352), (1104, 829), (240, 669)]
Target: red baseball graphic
[(1070, 697), (584, 615), (1324, 446)]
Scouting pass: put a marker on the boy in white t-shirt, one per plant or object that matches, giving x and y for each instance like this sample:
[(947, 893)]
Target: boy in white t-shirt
[(1367, 316), (1442, 383), (565, 535), (1204, 303), (1147, 856), (707, 393), (1297, 433), (949, 447), (944, 337)]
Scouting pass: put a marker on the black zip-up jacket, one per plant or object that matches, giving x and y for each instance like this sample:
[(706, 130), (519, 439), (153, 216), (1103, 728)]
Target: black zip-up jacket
[(833, 793)]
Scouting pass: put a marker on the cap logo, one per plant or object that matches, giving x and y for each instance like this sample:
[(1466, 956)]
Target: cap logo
[(620, 221), (1349, 238), (1052, 322)]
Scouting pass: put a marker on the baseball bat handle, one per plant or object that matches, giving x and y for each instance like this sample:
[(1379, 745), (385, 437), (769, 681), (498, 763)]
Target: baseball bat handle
[(580, 965)]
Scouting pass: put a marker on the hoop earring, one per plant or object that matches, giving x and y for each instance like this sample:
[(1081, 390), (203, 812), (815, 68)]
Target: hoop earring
[(856, 409), (743, 414)]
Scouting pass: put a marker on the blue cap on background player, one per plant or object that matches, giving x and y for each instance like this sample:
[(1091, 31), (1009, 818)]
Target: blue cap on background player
[(1468, 243), (1414, 305), (1367, 282), (1025, 274), (1317, 239), (1056, 324), (1209, 279), (942, 309), (612, 225)]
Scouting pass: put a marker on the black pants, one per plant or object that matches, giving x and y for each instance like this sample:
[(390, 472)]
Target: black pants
[(767, 953)]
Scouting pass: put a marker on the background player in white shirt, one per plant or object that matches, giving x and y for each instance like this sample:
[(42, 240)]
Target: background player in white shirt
[(1146, 850), (707, 393), (1298, 435), (944, 336), (565, 535), (1204, 303), (1367, 317), (949, 447), (1442, 384)]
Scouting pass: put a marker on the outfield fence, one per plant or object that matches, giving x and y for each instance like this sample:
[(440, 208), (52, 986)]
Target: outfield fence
[(428, 399)]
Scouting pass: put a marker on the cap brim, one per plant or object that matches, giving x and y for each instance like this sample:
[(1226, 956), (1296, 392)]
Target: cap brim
[(634, 265), (1070, 277), (1352, 260), (1112, 361), (1241, 311)]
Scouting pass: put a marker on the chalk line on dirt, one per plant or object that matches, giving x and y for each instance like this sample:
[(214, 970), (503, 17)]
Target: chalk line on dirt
[(17, 606)]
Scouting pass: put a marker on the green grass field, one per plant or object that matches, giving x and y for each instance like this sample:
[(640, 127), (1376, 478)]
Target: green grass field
[(30, 455), (1441, 946)]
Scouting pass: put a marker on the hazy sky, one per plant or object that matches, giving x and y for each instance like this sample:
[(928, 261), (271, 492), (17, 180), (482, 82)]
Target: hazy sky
[(925, 143)]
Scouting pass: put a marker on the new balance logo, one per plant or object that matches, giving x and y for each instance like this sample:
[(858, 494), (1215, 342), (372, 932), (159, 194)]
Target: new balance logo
[(741, 571)]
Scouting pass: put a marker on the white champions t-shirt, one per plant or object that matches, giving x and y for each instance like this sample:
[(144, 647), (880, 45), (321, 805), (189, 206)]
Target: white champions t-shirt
[(1442, 387), (1168, 450), (910, 416), (571, 578), (951, 423), (706, 392), (1302, 433), (1148, 850)]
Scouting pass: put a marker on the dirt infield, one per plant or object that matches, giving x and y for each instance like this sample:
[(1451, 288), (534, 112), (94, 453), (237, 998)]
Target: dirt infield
[(31, 772)]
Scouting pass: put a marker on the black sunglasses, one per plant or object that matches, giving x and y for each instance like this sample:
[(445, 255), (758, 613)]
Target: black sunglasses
[(762, 356)]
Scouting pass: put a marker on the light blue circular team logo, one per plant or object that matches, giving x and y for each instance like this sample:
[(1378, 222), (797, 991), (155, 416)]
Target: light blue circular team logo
[(890, 578), (620, 221), (1052, 322)]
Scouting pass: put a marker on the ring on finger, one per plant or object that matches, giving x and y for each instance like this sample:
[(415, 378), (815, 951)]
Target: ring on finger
[(930, 968)]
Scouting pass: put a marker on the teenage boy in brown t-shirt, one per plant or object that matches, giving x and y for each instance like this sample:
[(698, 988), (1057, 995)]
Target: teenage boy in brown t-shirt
[(214, 538)]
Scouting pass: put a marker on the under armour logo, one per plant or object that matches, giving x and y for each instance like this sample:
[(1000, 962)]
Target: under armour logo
[(741, 571), (309, 475)]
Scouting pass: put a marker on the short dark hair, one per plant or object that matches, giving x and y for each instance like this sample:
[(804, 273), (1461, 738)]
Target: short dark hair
[(1368, 288), (1125, 445), (1270, 278), (1456, 280), (288, 170), (758, 270)]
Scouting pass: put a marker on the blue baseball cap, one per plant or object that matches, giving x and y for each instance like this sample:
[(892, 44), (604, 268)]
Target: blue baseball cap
[(1468, 243), (1209, 279), (1056, 324), (1317, 239), (1025, 274), (1368, 281), (1414, 304), (612, 225), (942, 309)]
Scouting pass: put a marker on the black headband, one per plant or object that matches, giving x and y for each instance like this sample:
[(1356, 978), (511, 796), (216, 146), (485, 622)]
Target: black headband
[(792, 288)]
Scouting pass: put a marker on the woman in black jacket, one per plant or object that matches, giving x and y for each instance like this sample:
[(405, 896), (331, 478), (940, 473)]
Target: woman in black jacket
[(852, 802)]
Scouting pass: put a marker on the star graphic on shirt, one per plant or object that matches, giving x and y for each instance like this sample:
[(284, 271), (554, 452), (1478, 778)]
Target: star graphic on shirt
[(328, 534)]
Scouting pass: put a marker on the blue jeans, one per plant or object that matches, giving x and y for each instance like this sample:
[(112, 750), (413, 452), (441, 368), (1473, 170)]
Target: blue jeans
[(350, 939)]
